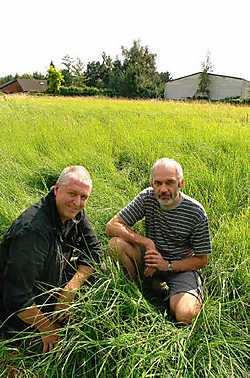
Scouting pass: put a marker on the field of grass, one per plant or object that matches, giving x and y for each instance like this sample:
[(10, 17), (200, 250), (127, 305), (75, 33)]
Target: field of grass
[(116, 332)]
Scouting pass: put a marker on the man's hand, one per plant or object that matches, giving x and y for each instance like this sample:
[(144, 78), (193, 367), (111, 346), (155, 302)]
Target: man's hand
[(154, 261), (51, 339), (65, 299), (149, 272), (149, 246), (48, 330)]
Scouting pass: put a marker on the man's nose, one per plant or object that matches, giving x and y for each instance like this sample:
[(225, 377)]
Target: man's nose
[(164, 188), (77, 201)]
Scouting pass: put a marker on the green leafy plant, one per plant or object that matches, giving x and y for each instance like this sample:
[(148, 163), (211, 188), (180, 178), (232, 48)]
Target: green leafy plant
[(54, 79), (204, 80)]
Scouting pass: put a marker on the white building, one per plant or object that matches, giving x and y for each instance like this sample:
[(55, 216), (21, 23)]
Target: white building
[(220, 87)]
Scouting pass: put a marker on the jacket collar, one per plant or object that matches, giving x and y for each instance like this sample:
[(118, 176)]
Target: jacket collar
[(50, 205)]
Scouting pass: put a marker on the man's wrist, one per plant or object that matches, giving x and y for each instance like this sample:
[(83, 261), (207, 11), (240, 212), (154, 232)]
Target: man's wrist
[(170, 267), (33, 316), (67, 294), (164, 266), (46, 326), (148, 244)]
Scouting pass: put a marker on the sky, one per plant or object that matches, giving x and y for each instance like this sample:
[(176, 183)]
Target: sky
[(179, 32)]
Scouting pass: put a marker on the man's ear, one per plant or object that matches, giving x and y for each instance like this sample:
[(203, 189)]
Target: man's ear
[(55, 188), (181, 184)]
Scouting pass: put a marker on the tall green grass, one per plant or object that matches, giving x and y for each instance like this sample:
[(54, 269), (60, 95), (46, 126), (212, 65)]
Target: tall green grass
[(116, 332)]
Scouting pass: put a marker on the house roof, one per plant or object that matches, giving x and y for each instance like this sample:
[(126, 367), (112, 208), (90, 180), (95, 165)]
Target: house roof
[(210, 74), (28, 85)]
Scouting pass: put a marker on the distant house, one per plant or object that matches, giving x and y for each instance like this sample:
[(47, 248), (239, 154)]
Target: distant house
[(220, 87), (24, 85)]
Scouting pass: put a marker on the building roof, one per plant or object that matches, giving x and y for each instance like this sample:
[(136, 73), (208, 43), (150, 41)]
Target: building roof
[(198, 73), (28, 85)]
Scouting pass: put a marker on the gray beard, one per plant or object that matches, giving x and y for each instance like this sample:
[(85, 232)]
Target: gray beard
[(170, 204)]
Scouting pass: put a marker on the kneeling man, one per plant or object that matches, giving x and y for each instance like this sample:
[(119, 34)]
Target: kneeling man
[(177, 241), (46, 255)]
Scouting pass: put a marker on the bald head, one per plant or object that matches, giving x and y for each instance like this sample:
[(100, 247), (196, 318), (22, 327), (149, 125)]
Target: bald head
[(167, 181), (168, 163), (74, 172)]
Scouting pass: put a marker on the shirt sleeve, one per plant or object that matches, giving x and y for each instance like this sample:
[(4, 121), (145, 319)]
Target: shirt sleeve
[(90, 248), (27, 254), (134, 211), (200, 239)]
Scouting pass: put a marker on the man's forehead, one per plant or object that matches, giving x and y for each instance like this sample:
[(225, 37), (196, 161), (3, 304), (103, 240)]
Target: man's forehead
[(74, 183), (168, 171)]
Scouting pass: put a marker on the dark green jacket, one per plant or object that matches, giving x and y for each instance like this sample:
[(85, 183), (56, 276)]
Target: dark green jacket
[(35, 254)]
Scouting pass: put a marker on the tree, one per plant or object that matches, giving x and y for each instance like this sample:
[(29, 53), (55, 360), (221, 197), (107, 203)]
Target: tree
[(93, 74), (6, 78), (38, 75), (78, 75), (204, 81), (136, 76), (139, 71), (26, 75), (67, 62), (106, 69), (161, 78), (116, 78), (165, 76), (98, 74), (54, 79)]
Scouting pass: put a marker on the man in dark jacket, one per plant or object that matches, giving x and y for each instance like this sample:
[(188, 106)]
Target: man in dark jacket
[(37, 254)]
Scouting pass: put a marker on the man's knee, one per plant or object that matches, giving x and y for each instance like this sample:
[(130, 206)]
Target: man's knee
[(186, 315), (123, 251), (185, 307), (116, 247)]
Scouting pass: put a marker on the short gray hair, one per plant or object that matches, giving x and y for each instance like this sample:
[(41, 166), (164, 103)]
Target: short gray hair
[(77, 172), (168, 162)]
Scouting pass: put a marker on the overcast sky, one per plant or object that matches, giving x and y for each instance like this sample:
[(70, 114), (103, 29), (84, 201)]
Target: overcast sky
[(180, 32)]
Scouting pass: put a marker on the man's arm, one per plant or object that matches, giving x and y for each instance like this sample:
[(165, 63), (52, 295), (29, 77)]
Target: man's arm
[(155, 260), (116, 227), (82, 274), (120, 225), (33, 316), (190, 263), (200, 245), (67, 294), (88, 253), (27, 255), (36, 318)]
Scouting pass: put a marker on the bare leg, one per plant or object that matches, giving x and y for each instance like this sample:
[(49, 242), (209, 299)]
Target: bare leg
[(129, 255), (185, 307)]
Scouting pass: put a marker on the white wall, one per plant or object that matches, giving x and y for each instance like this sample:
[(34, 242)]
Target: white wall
[(219, 87), (246, 91), (222, 87), (182, 88)]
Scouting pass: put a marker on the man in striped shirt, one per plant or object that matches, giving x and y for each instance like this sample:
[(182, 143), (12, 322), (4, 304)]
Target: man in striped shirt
[(177, 241)]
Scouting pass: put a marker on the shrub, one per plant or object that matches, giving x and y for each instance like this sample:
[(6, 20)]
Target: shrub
[(236, 100), (80, 91)]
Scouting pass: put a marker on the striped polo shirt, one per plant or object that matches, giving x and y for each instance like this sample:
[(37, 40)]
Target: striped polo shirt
[(175, 232)]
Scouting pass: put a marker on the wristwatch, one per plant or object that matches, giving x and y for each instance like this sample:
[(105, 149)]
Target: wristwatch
[(170, 267)]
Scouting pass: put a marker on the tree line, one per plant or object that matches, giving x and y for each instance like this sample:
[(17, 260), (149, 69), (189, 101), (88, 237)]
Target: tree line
[(133, 76)]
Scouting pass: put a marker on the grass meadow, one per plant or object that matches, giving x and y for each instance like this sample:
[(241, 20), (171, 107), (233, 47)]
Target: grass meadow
[(116, 332)]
